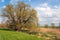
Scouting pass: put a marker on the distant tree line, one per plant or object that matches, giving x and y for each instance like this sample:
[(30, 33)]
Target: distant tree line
[(52, 26)]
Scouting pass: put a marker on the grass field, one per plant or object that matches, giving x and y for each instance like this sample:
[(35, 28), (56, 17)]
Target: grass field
[(6, 34), (13, 35)]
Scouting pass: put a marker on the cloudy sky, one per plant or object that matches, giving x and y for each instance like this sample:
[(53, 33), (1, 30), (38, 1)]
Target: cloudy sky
[(48, 10)]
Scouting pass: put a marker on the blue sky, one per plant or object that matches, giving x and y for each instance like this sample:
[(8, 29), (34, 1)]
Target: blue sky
[(48, 10)]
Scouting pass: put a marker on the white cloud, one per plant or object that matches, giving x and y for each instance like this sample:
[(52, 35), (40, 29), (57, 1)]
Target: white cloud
[(4, 6), (48, 14), (56, 6), (44, 9), (29, 0), (14, 1), (2, 0)]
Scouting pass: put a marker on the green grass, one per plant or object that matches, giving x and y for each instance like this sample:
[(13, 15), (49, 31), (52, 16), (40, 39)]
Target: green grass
[(13, 35)]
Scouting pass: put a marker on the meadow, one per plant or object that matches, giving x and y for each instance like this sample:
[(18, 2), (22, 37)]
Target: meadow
[(44, 34), (14, 35)]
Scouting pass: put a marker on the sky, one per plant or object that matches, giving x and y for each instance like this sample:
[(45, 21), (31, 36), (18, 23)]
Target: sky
[(48, 11)]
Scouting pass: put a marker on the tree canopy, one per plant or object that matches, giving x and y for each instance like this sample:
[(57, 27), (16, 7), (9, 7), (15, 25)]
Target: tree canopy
[(20, 15)]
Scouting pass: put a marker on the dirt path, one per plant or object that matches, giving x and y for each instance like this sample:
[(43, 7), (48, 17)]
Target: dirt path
[(53, 30)]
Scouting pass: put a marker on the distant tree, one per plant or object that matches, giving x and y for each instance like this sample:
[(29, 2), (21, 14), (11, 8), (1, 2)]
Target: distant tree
[(46, 26), (53, 25), (19, 16), (59, 25)]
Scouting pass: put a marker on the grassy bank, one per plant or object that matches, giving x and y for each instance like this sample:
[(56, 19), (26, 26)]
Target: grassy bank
[(12, 35)]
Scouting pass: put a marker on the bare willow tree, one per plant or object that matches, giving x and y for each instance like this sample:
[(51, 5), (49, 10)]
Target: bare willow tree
[(20, 15)]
